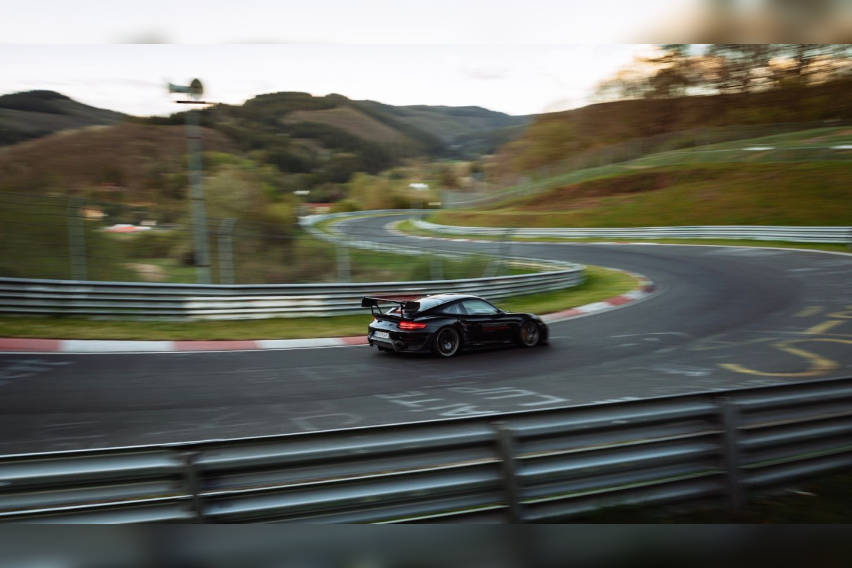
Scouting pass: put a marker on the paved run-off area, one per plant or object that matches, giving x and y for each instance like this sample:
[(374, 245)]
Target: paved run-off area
[(720, 318)]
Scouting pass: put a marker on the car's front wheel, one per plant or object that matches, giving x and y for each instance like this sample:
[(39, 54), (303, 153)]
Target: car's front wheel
[(529, 334), (447, 342)]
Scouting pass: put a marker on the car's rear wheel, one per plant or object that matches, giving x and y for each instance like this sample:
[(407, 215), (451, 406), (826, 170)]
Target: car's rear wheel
[(530, 334), (447, 342)]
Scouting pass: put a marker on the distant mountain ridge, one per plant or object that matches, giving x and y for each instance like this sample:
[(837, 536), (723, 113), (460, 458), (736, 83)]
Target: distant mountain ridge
[(33, 114), (465, 130), (298, 142), (435, 131), (329, 138)]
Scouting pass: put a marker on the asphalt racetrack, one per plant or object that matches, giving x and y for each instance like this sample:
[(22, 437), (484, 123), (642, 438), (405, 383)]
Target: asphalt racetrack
[(722, 317)]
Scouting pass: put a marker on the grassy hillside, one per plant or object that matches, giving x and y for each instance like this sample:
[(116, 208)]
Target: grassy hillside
[(799, 146), (555, 137), (318, 143), (465, 131), (813, 193), (315, 143), (32, 114), (131, 163)]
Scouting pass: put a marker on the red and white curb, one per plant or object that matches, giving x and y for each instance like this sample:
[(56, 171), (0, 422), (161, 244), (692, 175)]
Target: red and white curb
[(24, 345), (646, 289), (20, 345)]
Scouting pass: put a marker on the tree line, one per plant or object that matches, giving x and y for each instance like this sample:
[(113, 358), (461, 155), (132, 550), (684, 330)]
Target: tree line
[(677, 70)]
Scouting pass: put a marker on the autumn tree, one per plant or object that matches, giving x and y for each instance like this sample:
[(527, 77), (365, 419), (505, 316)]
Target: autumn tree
[(679, 69)]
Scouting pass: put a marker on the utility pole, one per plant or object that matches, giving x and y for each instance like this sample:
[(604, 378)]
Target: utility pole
[(226, 251), (199, 211), (76, 239)]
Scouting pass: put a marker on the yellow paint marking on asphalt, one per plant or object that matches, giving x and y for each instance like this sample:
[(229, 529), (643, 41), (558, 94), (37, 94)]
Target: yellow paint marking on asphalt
[(809, 311), (818, 364), (846, 314), (821, 328)]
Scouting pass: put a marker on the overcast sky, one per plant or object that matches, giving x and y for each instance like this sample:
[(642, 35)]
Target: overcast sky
[(516, 56), (516, 79)]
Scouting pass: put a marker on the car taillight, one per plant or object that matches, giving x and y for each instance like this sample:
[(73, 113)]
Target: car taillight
[(409, 325)]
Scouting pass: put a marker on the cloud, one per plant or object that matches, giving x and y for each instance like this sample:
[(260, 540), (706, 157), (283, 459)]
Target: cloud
[(485, 73), (150, 36)]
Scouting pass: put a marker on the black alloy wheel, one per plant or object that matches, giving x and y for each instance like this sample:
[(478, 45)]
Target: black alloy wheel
[(447, 342), (530, 335)]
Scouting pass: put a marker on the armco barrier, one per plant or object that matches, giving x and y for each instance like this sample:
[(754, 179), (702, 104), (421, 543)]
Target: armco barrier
[(545, 465), (751, 232), (200, 302), (309, 223), (143, 300)]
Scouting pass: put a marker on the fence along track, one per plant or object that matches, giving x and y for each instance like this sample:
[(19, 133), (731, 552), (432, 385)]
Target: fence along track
[(143, 300), (198, 302), (760, 233), (541, 465)]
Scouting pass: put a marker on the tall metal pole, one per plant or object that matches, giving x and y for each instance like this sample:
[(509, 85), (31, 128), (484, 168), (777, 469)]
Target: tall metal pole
[(226, 251), (344, 273), (76, 240), (199, 212), (193, 144)]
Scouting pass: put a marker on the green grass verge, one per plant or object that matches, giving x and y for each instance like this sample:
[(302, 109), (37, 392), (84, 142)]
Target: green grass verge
[(813, 193), (374, 266), (408, 227), (600, 284), (783, 150)]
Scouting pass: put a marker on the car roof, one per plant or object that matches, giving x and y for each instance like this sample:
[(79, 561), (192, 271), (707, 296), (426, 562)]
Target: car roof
[(437, 300), (450, 297)]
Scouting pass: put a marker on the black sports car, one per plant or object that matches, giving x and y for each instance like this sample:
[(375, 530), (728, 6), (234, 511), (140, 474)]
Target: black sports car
[(446, 323)]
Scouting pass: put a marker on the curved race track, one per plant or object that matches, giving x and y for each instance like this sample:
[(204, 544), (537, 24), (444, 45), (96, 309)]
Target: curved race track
[(722, 317)]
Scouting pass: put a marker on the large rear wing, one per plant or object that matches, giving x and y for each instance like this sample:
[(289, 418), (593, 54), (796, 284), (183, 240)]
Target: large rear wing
[(373, 303)]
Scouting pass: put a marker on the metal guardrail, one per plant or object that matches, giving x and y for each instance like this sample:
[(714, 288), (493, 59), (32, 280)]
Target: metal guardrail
[(309, 223), (753, 232), (533, 466), (145, 300), (206, 302)]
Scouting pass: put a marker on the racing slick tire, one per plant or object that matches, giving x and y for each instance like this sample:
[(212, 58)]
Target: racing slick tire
[(529, 334), (446, 342)]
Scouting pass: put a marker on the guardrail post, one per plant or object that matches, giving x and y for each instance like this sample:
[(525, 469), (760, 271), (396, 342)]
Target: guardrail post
[(192, 483), (76, 240), (226, 251), (730, 418), (506, 247), (506, 451), (343, 270), (437, 267)]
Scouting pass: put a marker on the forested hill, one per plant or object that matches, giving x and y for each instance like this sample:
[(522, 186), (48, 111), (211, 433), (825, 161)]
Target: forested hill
[(464, 131), (33, 114), (554, 137), (337, 136)]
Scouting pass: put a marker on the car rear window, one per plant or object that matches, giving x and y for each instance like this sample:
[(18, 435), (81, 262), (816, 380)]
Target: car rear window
[(429, 303), (425, 304), (456, 308)]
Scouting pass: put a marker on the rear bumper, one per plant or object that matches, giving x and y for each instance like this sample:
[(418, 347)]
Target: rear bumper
[(401, 341)]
